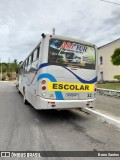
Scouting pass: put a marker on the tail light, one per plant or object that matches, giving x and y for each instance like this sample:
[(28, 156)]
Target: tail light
[(51, 102), (43, 81), (95, 89), (43, 87)]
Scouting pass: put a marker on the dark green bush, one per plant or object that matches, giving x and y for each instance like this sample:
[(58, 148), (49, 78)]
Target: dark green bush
[(117, 77)]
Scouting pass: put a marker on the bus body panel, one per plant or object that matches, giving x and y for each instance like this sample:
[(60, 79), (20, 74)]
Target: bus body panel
[(42, 103), (66, 77)]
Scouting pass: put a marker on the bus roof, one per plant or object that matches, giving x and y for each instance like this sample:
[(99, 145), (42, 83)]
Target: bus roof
[(70, 39)]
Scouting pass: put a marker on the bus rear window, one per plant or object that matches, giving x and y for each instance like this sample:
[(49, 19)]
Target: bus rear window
[(67, 53)]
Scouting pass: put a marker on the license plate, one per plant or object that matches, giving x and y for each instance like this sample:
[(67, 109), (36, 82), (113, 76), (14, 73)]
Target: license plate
[(72, 95)]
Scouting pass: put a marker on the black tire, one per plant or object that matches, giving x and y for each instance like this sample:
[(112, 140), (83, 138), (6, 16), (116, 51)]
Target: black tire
[(24, 100), (24, 97)]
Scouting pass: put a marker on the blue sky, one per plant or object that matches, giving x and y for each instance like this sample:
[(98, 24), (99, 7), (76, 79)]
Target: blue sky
[(23, 21)]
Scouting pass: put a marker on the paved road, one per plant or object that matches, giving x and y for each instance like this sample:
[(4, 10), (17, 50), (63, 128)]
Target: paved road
[(108, 105), (24, 128)]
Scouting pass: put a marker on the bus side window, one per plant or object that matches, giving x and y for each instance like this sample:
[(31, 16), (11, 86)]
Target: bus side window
[(21, 69), (38, 51), (34, 64), (25, 66), (29, 64), (27, 61), (35, 55), (32, 55), (32, 61)]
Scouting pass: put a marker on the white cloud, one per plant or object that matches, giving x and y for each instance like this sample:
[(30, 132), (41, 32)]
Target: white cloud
[(23, 21)]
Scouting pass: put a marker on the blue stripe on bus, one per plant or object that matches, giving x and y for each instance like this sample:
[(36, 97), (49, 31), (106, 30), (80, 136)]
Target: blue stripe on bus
[(80, 79), (43, 65), (59, 95)]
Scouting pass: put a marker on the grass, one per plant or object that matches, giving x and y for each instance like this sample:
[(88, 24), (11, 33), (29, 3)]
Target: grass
[(113, 86)]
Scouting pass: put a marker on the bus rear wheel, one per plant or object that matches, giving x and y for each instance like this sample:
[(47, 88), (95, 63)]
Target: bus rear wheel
[(24, 97), (25, 101)]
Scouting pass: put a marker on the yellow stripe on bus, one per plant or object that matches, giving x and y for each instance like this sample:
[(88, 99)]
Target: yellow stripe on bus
[(70, 87)]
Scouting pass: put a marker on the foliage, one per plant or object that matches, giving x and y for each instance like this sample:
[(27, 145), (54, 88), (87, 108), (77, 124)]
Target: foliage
[(9, 67), (9, 70), (115, 58), (91, 58), (114, 86), (117, 77)]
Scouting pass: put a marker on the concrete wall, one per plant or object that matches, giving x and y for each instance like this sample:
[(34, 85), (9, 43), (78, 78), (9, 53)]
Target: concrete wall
[(108, 69)]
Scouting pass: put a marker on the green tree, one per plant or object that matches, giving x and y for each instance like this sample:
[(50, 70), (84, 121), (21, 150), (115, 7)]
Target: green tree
[(117, 77), (9, 69), (4, 67), (13, 67), (115, 58), (15, 61)]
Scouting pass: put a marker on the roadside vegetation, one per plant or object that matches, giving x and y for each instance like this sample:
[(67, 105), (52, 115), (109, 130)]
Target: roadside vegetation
[(115, 59), (113, 86), (8, 70)]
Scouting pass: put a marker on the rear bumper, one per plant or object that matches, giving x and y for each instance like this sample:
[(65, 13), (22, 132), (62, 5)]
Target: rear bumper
[(42, 103)]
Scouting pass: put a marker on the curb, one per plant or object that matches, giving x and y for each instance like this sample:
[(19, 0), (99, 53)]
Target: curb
[(108, 92), (103, 117)]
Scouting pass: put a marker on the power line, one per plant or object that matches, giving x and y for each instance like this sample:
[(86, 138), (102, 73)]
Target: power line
[(110, 2)]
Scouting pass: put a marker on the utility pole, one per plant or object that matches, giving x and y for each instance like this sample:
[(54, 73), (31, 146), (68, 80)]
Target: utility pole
[(9, 69), (9, 65), (53, 31), (0, 70)]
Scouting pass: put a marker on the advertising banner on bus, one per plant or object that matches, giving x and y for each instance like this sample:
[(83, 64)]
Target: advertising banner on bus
[(67, 53)]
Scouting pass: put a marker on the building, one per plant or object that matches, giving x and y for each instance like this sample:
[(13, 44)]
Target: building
[(106, 70)]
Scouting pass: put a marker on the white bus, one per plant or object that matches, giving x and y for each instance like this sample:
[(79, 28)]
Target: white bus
[(48, 80)]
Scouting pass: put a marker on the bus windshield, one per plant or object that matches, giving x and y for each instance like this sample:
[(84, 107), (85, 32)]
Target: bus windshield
[(67, 53)]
